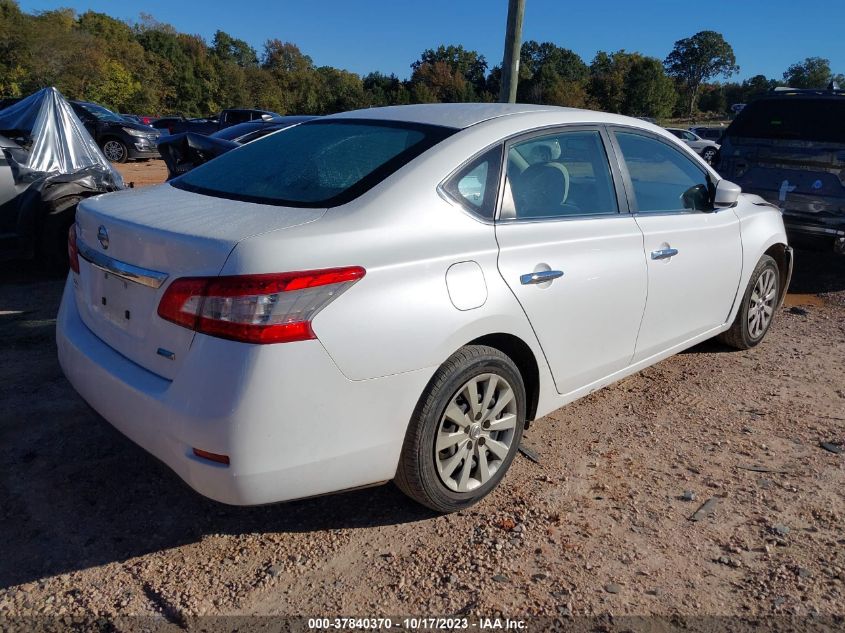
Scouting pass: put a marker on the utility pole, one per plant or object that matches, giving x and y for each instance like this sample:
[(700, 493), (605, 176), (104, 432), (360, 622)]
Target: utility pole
[(513, 43)]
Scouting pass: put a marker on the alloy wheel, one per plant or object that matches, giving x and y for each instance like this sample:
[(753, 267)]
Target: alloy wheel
[(476, 432), (762, 306), (113, 151)]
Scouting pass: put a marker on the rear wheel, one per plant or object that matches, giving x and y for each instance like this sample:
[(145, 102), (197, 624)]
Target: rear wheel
[(758, 306), (465, 431), (709, 154)]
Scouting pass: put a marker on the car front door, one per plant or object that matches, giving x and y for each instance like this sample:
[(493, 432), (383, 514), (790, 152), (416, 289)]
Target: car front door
[(571, 253), (693, 251)]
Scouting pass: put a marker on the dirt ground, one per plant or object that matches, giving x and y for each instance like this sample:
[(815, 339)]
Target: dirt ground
[(92, 525), (141, 173)]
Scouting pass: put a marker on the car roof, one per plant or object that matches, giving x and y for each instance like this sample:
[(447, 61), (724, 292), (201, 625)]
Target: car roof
[(792, 94), (464, 115), (455, 115)]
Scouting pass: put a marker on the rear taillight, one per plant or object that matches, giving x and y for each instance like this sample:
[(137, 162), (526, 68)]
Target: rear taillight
[(269, 308), (212, 457), (72, 250)]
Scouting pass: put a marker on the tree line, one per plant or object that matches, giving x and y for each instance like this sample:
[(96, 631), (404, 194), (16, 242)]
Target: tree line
[(148, 67)]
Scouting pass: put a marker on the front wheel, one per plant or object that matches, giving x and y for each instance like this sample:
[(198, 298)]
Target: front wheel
[(465, 430), (758, 306), (115, 151)]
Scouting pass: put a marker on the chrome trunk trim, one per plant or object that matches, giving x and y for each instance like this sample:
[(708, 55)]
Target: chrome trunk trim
[(135, 274)]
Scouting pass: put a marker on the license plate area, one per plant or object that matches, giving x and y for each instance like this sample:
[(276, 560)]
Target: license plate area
[(116, 300)]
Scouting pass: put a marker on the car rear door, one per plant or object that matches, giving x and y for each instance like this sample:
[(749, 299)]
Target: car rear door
[(693, 252), (571, 253)]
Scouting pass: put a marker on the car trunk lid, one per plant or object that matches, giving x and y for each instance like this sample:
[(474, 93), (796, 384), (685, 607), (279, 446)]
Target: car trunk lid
[(134, 243)]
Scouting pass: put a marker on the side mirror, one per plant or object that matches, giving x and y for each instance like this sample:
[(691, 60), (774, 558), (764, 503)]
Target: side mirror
[(727, 193), (266, 117)]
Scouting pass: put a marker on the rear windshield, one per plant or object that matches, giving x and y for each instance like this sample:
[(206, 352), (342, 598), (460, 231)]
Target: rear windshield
[(793, 119), (316, 164)]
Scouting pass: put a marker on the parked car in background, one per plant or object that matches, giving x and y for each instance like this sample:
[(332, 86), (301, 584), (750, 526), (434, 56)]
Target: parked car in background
[(708, 133), (211, 124), (138, 118), (166, 124), (789, 148), (183, 152), (332, 308), (119, 138), (252, 130), (706, 149)]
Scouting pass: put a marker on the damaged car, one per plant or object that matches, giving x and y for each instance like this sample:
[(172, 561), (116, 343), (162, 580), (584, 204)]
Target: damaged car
[(182, 152), (789, 148), (48, 163)]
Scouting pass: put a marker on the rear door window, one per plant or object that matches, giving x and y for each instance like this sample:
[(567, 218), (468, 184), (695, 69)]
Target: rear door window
[(559, 175)]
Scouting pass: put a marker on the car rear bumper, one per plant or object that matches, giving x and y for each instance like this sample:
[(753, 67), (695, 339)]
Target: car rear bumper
[(292, 425)]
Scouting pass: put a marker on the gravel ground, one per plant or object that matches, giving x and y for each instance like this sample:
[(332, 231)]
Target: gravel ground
[(602, 525), (141, 173)]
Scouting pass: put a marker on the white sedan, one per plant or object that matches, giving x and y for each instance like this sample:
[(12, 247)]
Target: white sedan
[(705, 148), (394, 293)]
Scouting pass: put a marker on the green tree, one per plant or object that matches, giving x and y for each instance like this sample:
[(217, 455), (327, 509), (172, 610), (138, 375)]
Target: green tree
[(552, 75), (697, 59), (648, 91), (608, 72), (813, 72), (469, 64), (230, 49), (340, 90), (296, 76), (14, 41), (115, 87), (384, 90), (439, 81), (631, 83), (712, 98)]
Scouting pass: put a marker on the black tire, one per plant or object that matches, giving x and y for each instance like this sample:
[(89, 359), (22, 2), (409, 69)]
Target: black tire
[(740, 336), (708, 155), (115, 150), (52, 243), (417, 475)]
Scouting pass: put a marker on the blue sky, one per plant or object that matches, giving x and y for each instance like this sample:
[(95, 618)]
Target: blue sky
[(366, 35)]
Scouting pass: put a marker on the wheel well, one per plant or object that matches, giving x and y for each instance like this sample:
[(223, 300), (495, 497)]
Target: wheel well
[(523, 357), (778, 253), (110, 137)]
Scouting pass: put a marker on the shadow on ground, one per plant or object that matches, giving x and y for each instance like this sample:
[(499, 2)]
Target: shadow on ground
[(74, 493)]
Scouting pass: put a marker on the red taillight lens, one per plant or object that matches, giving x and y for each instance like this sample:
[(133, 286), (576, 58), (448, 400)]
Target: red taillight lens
[(270, 308), (212, 457), (72, 250)]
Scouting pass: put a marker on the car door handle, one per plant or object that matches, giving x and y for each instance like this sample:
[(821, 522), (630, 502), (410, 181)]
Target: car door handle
[(664, 253), (540, 277)]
